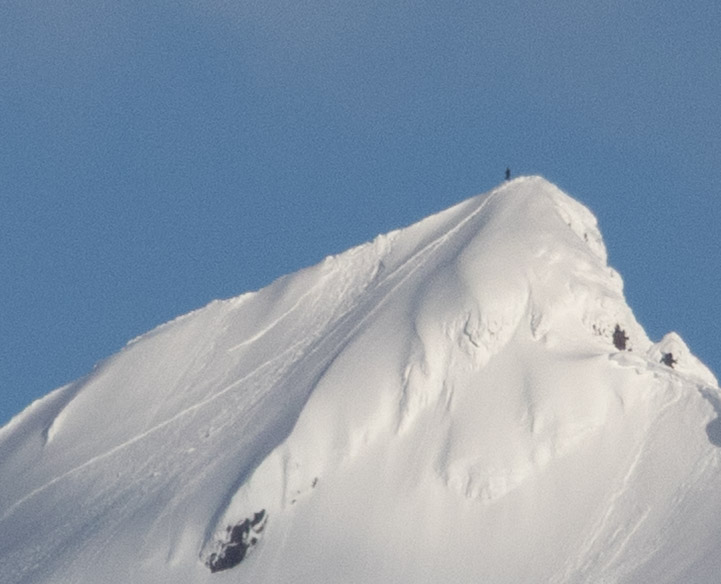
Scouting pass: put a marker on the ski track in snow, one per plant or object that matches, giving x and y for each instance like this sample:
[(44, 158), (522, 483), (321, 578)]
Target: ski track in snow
[(148, 432), (409, 266), (146, 500), (279, 320)]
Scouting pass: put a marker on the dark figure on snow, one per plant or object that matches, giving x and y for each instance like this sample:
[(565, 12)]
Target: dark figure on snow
[(508, 174)]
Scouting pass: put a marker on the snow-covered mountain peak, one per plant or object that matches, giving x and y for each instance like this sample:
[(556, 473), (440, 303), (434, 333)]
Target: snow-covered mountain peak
[(468, 398)]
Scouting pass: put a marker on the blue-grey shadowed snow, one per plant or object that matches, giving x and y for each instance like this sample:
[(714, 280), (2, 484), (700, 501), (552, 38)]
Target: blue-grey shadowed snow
[(713, 429)]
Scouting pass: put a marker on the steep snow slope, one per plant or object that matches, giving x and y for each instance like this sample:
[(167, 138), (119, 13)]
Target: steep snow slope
[(467, 399)]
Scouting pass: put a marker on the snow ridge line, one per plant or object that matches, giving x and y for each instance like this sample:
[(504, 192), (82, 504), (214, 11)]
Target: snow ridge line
[(415, 261), (412, 264), (303, 296)]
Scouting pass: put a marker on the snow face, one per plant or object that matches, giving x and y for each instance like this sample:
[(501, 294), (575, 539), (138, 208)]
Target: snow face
[(450, 402)]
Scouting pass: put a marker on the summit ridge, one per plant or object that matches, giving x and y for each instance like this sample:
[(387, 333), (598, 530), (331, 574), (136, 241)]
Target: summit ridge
[(468, 398)]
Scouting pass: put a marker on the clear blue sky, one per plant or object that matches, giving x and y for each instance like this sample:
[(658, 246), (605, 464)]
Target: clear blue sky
[(157, 155)]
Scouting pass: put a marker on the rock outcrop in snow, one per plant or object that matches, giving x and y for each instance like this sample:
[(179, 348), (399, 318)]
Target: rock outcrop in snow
[(450, 402), (239, 541)]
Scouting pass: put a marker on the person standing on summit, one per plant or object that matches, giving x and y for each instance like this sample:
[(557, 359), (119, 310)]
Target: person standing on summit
[(508, 173)]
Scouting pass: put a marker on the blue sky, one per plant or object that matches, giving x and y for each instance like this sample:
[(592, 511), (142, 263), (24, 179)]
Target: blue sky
[(155, 156)]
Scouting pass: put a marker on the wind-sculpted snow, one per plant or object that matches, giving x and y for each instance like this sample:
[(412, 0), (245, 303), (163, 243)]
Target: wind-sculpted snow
[(448, 403)]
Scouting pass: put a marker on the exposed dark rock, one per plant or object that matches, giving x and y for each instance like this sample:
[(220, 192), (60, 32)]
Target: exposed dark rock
[(619, 338), (241, 539), (668, 359)]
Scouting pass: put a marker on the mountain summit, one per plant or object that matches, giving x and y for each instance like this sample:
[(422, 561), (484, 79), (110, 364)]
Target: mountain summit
[(469, 399)]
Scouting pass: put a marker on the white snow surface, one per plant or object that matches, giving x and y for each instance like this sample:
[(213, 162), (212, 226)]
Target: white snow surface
[(443, 404)]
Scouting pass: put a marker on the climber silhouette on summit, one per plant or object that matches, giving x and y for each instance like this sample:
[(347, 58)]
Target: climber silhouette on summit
[(508, 173)]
